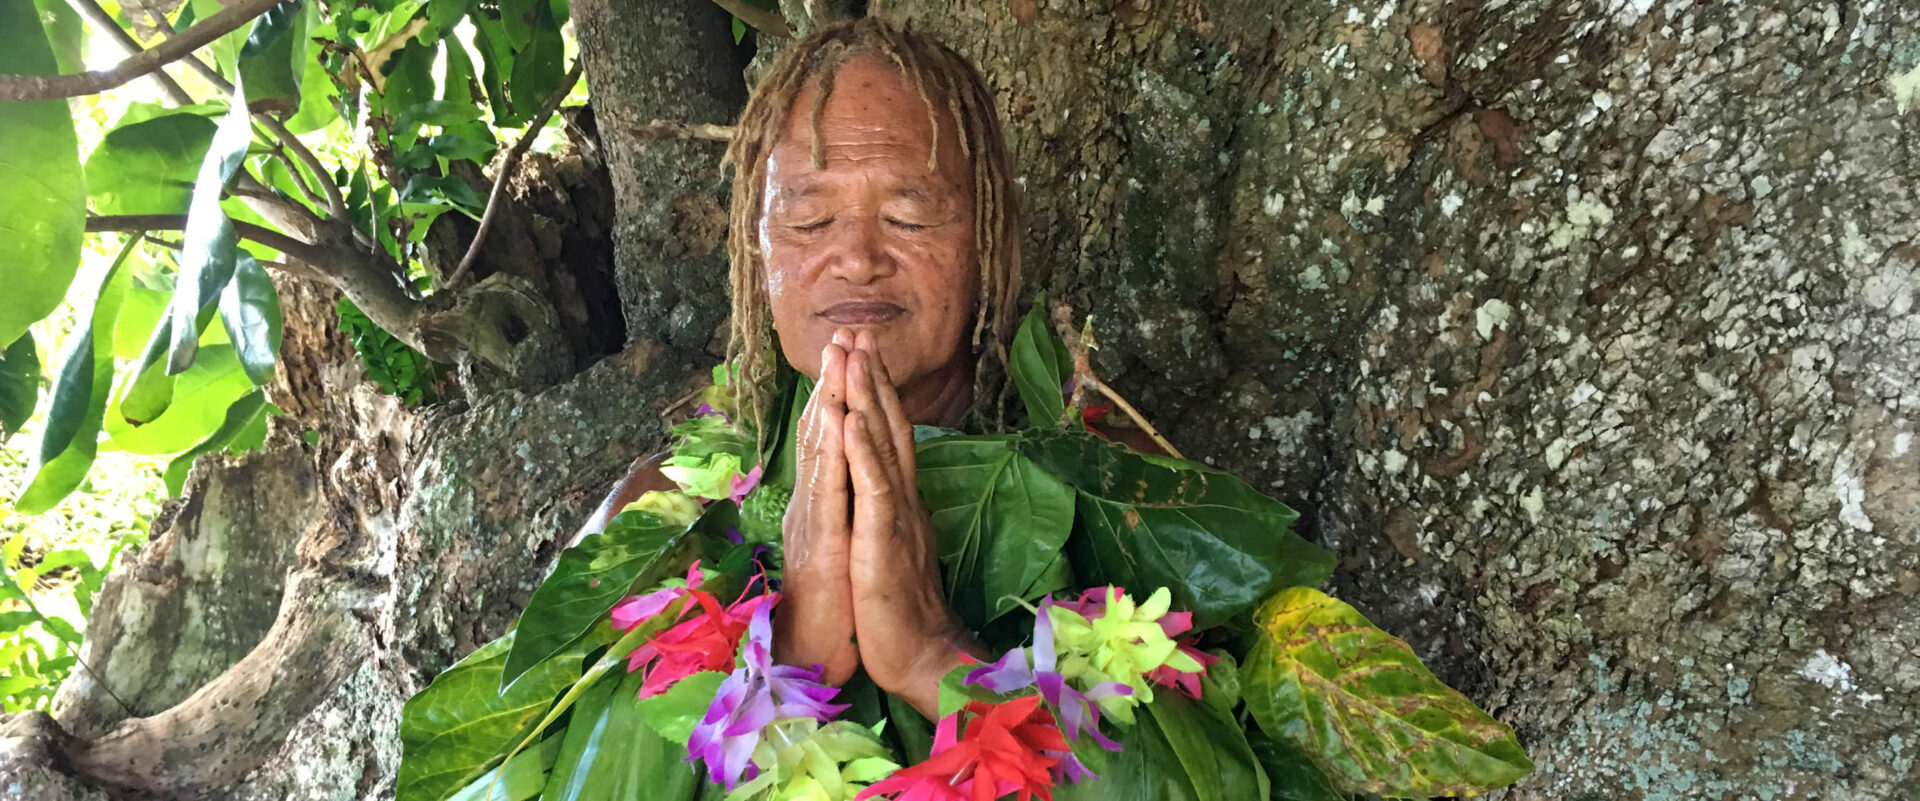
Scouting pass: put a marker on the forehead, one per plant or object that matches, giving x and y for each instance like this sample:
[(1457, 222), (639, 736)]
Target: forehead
[(873, 119)]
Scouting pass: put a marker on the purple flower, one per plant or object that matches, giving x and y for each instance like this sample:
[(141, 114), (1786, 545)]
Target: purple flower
[(1077, 711), (756, 694)]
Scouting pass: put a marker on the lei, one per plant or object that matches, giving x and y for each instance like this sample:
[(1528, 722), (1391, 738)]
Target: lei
[(642, 666)]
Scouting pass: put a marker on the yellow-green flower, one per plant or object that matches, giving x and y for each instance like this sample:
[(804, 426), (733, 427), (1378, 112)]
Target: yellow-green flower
[(673, 507), (1118, 641), (802, 760)]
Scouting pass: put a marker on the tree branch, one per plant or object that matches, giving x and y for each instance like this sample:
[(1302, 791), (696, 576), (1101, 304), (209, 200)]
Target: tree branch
[(506, 171), (665, 129), (105, 23), (48, 87), (310, 253), (767, 22), (336, 205)]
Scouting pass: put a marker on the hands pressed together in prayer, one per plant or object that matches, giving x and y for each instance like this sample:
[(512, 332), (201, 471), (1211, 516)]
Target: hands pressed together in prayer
[(862, 580)]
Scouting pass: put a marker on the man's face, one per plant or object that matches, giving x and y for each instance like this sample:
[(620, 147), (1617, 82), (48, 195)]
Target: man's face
[(873, 239)]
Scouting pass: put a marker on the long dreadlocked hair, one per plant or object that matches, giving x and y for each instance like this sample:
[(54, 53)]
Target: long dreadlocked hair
[(945, 82)]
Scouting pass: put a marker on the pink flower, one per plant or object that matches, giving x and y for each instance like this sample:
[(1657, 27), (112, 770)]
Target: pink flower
[(705, 641), (743, 483)]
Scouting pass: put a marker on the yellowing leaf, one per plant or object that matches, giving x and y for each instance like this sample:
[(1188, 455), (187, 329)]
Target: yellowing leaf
[(1360, 705)]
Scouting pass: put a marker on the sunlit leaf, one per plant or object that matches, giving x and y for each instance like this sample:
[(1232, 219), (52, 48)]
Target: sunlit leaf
[(1148, 521), (70, 439), (66, 34), (459, 726), (675, 712), (1360, 705), (200, 398), (250, 310), (207, 253), (521, 778), (148, 166), (610, 753), (635, 549), (43, 210), (19, 384), (273, 60), (239, 417)]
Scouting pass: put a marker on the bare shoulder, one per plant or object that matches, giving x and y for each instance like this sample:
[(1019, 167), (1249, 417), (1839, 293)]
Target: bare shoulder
[(642, 477)]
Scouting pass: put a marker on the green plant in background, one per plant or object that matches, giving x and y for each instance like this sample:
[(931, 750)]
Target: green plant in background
[(396, 367)]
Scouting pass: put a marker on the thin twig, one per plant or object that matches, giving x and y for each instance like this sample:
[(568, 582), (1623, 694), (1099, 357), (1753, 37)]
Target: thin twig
[(105, 23), (178, 222), (506, 171), (48, 87), (1133, 413), (335, 203), (665, 129), (767, 22)]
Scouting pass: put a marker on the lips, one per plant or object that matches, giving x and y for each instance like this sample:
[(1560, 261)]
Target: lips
[(862, 312)]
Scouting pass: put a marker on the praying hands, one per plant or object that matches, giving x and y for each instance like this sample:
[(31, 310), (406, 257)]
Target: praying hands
[(862, 578)]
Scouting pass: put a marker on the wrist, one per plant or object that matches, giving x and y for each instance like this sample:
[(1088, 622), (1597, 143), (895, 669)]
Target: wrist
[(936, 660)]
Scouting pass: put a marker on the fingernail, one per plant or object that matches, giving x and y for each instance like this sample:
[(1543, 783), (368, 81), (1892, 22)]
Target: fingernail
[(842, 338)]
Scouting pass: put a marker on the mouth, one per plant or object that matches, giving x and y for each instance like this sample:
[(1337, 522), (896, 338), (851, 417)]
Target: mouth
[(862, 313)]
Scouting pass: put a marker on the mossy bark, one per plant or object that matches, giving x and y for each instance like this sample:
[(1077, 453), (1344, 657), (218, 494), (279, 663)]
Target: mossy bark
[(1583, 333)]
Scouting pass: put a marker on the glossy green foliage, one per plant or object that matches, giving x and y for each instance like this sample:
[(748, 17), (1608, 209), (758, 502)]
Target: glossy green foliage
[(400, 370), (1147, 521), (250, 311), (1358, 703), (147, 163), (1176, 749), (209, 240), (243, 428), (19, 384), (71, 437), (611, 753), (1040, 368), (636, 548), (43, 210), (273, 62), (1002, 521), (453, 731)]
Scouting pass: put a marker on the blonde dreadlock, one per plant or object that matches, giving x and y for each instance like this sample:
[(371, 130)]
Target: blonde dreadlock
[(945, 82)]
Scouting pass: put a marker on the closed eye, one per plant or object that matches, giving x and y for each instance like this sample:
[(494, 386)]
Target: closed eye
[(906, 226), (812, 226)]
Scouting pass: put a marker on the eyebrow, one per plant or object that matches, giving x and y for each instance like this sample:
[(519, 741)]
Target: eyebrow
[(912, 191)]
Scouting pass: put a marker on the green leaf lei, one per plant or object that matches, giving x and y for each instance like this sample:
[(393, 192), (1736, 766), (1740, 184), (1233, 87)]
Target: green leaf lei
[(1303, 699)]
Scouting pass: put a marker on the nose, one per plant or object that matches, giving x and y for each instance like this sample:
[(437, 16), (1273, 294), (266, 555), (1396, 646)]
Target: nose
[(860, 253)]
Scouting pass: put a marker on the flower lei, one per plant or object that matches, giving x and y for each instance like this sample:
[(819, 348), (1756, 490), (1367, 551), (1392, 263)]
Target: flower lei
[(771, 731)]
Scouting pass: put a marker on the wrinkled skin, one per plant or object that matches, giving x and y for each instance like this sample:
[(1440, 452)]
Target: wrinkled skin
[(872, 277)]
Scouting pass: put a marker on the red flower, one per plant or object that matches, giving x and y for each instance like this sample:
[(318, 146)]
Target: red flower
[(706, 641), (1005, 751)]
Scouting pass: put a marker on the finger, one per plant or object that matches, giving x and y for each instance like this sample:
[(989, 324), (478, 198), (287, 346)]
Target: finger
[(823, 468), (862, 397), (874, 513), (900, 430)]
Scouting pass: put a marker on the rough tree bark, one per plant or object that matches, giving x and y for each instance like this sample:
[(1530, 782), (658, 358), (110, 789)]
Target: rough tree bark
[(1583, 331)]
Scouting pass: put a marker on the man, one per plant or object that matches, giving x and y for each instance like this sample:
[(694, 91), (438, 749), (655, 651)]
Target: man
[(875, 230)]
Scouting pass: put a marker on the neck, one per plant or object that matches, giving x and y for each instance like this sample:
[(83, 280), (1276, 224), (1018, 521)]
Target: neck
[(939, 399)]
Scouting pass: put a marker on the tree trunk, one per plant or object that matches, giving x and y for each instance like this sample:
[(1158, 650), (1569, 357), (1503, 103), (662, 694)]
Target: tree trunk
[(1583, 333)]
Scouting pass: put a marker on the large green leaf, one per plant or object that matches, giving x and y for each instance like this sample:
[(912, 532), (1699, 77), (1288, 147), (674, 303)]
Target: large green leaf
[(1147, 522), (273, 60), (147, 166), (1294, 777), (1358, 702), (520, 778), (43, 209), (456, 728), (611, 754), (1212, 748), (636, 548), (250, 310), (1147, 768), (71, 437), (66, 33), (19, 384), (675, 712), (200, 397), (1040, 367), (209, 241), (1002, 520), (243, 415)]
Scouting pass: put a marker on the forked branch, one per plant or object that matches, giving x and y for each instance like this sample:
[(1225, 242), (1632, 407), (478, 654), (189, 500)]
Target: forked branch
[(49, 87)]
